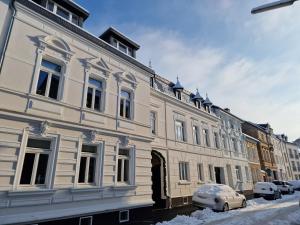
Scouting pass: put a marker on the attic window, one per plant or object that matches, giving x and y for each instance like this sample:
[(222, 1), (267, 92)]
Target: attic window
[(178, 95), (122, 47)]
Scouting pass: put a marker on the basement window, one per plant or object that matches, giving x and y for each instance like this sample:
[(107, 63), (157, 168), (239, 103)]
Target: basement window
[(88, 220), (124, 216)]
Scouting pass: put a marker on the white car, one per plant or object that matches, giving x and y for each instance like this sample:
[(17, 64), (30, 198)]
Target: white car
[(296, 184), (284, 187), (218, 197), (266, 190)]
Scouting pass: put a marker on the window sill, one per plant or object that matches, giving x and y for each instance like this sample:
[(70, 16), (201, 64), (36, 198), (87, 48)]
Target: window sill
[(86, 189), (184, 182), (123, 187), (31, 192), (200, 182)]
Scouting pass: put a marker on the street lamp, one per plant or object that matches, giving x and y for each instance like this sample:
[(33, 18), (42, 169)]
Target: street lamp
[(272, 5)]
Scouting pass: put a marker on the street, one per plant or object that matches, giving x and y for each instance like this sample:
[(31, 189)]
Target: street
[(283, 211)]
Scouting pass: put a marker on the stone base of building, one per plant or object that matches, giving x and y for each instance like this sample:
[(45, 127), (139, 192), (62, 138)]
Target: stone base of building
[(181, 201), (135, 216)]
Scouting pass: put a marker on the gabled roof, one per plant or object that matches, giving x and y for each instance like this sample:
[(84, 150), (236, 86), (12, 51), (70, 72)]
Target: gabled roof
[(207, 101), (197, 96)]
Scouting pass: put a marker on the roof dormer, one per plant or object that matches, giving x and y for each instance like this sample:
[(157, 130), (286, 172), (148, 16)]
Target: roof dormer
[(197, 98), (120, 41), (67, 9)]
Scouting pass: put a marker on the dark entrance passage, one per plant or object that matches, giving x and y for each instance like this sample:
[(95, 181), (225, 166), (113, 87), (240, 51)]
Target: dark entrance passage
[(158, 180), (219, 173)]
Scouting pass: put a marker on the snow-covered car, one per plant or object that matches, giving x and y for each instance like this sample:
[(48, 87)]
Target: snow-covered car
[(218, 197), (284, 187), (296, 184), (266, 190)]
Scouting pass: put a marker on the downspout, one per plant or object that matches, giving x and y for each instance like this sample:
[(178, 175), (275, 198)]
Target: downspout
[(12, 7)]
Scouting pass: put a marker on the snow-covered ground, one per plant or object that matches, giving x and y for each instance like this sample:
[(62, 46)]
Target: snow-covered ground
[(285, 211)]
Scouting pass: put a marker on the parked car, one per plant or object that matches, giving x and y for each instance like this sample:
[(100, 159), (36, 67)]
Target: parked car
[(266, 190), (218, 197), (284, 187), (296, 184)]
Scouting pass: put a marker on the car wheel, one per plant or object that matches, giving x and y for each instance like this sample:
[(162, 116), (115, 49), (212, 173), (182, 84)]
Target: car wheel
[(225, 207), (244, 204)]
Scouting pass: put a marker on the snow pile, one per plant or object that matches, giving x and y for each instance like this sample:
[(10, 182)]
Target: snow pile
[(211, 189), (181, 220), (256, 202), (208, 215)]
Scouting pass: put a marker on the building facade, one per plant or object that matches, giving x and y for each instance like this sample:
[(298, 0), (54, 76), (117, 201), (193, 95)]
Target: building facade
[(294, 157), (74, 126), (253, 158)]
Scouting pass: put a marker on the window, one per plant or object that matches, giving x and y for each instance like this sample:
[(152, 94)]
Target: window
[(211, 172), (151, 82), (196, 135), (123, 166), (125, 104), (35, 164), (184, 171), (216, 138), (247, 173), (88, 160), (62, 12), (124, 216), (200, 172), (88, 220), (238, 173), (94, 94), (122, 47), (179, 131), (224, 141), (153, 122), (206, 137), (198, 104), (178, 95), (49, 79), (234, 144)]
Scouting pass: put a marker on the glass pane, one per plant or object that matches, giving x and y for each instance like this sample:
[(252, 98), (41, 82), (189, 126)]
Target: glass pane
[(125, 94), (119, 169), (122, 48), (41, 169), (95, 83), (89, 98), (42, 83), (122, 107), (27, 168), (75, 19), (63, 13), (92, 170), (50, 6), (89, 148), (82, 170), (36, 143), (127, 109), (86, 221), (97, 100), (53, 92), (51, 66), (126, 170), (114, 43)]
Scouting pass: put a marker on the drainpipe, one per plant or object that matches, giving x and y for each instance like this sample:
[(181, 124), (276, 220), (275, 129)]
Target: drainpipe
[(12, 7)]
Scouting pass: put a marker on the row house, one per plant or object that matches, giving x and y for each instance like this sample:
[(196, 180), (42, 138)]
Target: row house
[(265, 148), (252, 145), (74, 119), (294, 157), (194, 143)]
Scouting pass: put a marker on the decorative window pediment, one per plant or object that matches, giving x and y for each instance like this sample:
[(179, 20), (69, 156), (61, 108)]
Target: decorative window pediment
[(127, 77), (57, 44), (98, 64)]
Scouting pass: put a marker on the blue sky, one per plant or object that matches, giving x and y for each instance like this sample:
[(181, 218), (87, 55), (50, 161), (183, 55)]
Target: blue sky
[(249, 63)]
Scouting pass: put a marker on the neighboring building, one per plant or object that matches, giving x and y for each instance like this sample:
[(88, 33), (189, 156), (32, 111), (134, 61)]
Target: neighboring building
[(233, 144), (265, 148), (74, 119), (294, 157), (253, 158), (297, 142)]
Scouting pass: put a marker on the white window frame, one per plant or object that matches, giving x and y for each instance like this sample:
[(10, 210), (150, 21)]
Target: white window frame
[(205, 132), (126, 47), (55, 5), (247, 173), (128, 216), (153, 122), (184, 171), (86, 217), (94, 88), (224, 141), (131, 173), (50, 74), (88, 157), (216, 139), (196, 135), (238, 172), (200, 170), (124, 99), (180, 130), (51, 162), (211, 172)]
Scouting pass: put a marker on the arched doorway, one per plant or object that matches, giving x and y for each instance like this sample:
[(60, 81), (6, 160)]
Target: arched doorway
[(158, 180)]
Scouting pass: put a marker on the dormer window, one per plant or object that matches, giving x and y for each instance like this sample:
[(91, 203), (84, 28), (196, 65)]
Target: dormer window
[(62, 12), (122, 47), (178, 95), (198, 104)]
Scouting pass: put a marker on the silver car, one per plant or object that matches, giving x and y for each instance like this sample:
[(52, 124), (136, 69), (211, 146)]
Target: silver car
[(218, 197)]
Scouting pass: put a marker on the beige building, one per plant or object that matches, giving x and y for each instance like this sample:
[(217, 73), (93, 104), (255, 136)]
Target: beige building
[(294, 157)]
